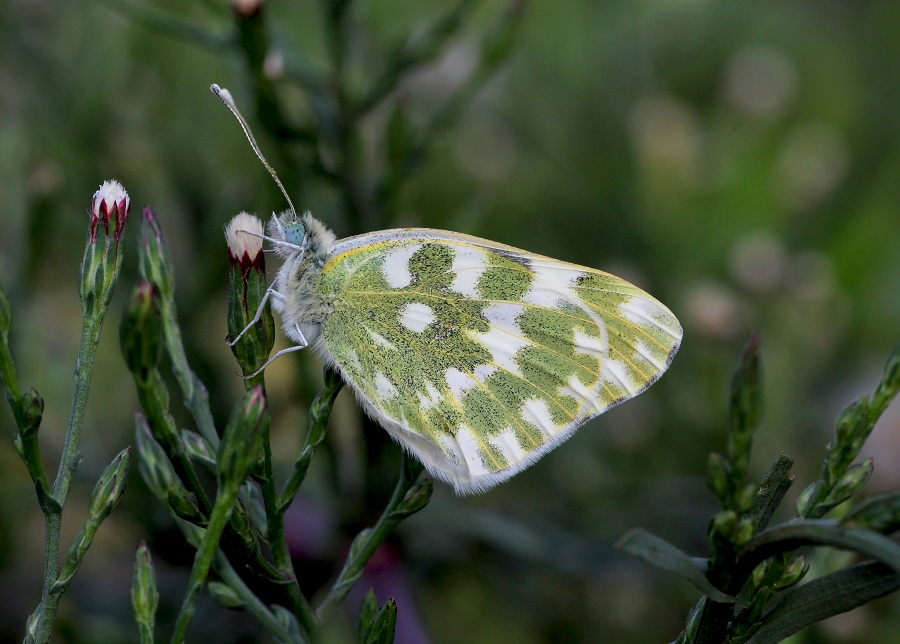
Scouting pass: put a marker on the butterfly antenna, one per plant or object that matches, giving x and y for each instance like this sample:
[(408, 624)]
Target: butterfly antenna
[(225, 96)]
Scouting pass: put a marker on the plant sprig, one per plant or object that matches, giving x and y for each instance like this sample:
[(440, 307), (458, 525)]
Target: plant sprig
[(761, 564)]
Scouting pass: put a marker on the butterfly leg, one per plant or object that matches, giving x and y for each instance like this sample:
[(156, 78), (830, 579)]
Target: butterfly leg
[(272, 359), (259, 311)]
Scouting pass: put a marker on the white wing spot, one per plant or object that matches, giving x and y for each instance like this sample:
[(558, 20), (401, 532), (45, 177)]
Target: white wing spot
[(641, 350), (381, 340), (459, 381), (591, 402), (468, 266), (503, 347), (641, 311), (396, 266), (432, 399), (471, 451), (416, 316), (616, 373), (551, 283), (354, 360), (507, 444), (588, 344), (537, 412), (384, 387), (484, 371)]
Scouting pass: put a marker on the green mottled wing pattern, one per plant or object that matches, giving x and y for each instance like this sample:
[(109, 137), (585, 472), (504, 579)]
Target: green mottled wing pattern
[(478, 357)]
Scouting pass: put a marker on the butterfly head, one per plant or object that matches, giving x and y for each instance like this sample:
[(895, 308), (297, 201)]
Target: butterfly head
[(299, 234)]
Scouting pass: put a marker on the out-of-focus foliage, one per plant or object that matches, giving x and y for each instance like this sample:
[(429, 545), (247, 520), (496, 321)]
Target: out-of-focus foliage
[(736, 159)]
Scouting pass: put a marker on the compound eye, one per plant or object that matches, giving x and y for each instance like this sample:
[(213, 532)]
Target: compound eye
[(295, 234)]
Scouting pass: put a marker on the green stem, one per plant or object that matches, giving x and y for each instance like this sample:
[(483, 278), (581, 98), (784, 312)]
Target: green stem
[(281, 554), (195, 396), (319, 413), (252, 603), (84, 367), (204, 558), (368, 541)]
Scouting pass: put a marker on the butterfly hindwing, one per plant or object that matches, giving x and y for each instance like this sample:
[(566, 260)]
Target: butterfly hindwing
[(479, 357)]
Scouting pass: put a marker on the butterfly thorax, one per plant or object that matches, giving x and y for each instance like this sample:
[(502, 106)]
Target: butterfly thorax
[(301, 304)]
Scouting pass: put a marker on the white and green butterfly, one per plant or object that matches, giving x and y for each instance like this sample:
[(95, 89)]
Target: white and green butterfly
[(478, 358)]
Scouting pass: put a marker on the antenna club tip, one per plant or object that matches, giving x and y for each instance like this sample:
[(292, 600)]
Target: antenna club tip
[(223, 94)]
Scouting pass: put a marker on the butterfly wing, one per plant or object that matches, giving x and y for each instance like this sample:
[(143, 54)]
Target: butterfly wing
[(479, 358)]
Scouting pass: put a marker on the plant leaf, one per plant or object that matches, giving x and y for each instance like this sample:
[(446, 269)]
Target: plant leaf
[(656, 551), (825, 597)]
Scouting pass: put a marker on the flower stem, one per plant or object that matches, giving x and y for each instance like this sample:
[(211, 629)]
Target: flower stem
[(84, 367)]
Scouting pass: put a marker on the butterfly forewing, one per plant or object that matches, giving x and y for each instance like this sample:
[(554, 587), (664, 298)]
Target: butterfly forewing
[(480, 357)]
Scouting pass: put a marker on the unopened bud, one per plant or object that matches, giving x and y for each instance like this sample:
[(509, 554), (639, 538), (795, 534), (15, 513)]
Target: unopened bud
[(153, 255), (243, 437), (110, 206), (140, 334), (111, 485), (144, 595), (246, 294), (102, 259)]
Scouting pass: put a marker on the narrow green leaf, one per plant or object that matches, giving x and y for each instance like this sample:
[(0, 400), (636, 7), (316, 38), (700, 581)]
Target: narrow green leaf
[(790, 536), (825, 597), (658, 552)]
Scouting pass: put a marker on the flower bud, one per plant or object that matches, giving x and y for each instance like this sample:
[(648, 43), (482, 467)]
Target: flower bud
[(155, 467), (32, 412), (144, 595), (153, 255), (111, 485), (140, 334), (198, 450), (184, 505), (102, 260), (416, 499), (110, 205), (242, 439), (851, 482), (224, 594), (247, 289), (795, 570)]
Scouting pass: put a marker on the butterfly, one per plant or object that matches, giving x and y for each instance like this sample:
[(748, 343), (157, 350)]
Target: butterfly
[(477, 357)]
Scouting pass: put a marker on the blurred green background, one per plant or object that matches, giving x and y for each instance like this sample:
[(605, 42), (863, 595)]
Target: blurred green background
[(739, 160)]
